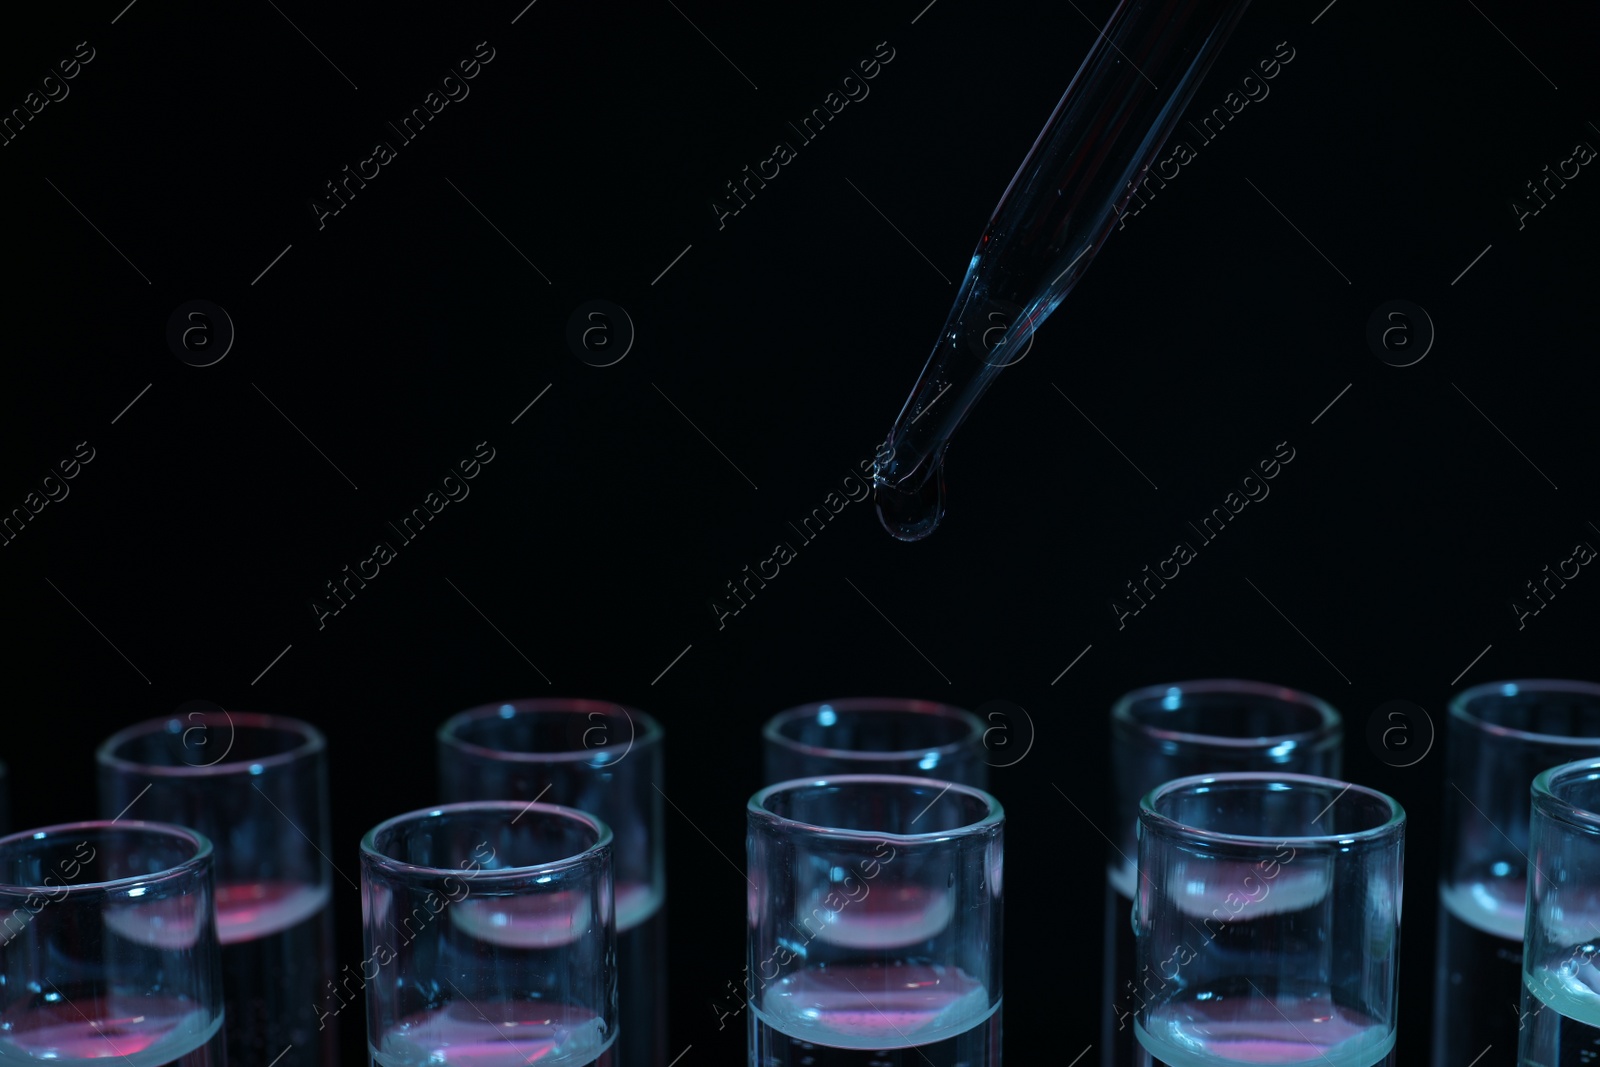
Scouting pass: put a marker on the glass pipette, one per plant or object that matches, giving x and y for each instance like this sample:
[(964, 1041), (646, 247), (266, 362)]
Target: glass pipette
[(1101, 140)]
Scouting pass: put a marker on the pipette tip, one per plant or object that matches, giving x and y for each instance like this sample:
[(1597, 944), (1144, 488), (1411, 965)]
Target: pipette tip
[(911, 514)]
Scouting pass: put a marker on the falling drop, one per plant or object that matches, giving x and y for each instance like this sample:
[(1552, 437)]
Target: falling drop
[(912, 514)]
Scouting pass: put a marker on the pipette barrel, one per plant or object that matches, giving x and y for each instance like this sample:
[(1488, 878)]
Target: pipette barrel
[(1088, 161)]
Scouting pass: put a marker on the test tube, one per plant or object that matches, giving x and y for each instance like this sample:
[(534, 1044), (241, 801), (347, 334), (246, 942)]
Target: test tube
[(257, 786), (1172, 731), (604, 759), (876, 735), (1560, 1016), (1268, 922), (108, 947), (1501, 735), (491, 938), (875, 920)]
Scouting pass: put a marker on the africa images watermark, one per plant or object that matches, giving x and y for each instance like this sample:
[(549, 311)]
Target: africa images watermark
[(33, 104), (852, 89), (1251, 488), (836, 901), (1569, 168), (385, 954), (1182, 955), (853, 488), (452, 88), (451, 488), (52, 485), (1582, 956), (68, 869), (1000, 715), (1540, 591), (1251, 89), (1390, 730)]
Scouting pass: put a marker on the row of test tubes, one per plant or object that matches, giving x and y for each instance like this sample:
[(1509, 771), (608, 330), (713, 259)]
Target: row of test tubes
[(1253, 898), (518, 921)]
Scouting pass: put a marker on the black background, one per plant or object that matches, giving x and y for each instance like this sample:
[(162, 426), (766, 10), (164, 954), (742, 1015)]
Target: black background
[(408, 329)]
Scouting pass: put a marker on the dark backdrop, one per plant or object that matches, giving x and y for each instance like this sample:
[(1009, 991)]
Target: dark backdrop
[(423, 318)]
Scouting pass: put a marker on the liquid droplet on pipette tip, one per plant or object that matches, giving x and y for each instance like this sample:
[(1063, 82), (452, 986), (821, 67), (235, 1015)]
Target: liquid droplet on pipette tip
[(912, 514)]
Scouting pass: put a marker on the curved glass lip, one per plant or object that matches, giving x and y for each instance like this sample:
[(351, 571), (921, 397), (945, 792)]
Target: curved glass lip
[(447, 733), (515, 808), (772, 731), (756, 809), (1329, 729), (200, 842), (312, 742), (1389, 828), (1547, 802), (1461, 702)]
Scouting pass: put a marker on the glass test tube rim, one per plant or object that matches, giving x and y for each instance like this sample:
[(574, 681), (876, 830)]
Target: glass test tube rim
[(1327, 732), (448, 732), (772, 731), (1549, 802), (312, 743), (994, 812), (492, 876), (1462, 702), (78, 890), (1389, 828)]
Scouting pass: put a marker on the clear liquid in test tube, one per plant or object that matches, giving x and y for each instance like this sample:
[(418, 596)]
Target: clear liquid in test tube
[(1169, 731), (1499, 737)]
